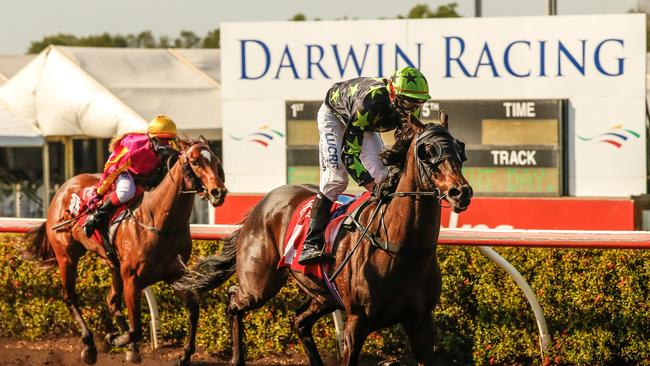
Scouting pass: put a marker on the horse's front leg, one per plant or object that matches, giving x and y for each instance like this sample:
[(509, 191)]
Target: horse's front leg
[(132, 298), (421, 333), (356, 332)]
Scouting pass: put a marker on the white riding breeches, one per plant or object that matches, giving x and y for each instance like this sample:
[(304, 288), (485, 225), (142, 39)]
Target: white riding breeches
[(333, 175), (124, 187)]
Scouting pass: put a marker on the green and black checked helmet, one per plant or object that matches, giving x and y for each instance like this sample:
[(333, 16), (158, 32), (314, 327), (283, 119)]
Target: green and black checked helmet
[(410, 82)]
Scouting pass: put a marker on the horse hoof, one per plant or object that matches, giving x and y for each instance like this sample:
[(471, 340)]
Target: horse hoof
[(107, 342), (183, 362), (89, 355), (389, 363), (133, 357), (121, 341)]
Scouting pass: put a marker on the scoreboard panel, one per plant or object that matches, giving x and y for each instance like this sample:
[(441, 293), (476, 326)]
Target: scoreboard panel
[(514, 147)]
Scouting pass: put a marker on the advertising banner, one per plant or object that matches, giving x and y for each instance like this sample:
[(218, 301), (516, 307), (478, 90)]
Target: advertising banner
[(596, 62)]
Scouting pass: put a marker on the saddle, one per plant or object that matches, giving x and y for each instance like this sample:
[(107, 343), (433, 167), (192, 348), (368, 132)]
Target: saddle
[(344, 207), (103, 234)]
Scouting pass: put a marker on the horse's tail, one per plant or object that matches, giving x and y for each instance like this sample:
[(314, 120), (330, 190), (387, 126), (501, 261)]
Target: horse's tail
[(211, 272), (37, 248)]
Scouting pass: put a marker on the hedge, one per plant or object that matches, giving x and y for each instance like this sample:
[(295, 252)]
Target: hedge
[(595, 302)]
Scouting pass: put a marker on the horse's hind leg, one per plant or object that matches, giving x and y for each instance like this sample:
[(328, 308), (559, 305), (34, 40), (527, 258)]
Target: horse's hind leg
[(306, 316), (421, 334), (114, 301), (257, 284), (193, 309), (68, 270)]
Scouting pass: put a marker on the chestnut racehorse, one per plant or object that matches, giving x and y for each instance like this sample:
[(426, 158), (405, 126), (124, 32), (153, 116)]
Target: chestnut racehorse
[(148, 244), (397, 281)]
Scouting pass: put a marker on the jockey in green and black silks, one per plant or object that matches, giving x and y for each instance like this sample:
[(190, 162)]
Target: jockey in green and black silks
[(349, 122)]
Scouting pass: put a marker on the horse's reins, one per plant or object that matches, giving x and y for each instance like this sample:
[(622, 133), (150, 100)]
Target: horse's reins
[(385, 245)]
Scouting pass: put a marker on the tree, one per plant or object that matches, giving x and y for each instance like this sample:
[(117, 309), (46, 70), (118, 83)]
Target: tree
[(299, 17), (164, 42), (423, 11), (59, 39), (446, 11), (146, 40), (187, 39), (212, 39)]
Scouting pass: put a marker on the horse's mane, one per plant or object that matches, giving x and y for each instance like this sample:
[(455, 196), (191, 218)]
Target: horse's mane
[(395, 157)]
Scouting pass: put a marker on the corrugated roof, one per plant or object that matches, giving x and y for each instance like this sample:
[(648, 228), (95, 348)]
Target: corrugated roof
[(11, 64)]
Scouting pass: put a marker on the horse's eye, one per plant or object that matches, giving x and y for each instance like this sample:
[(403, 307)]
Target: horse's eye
[(194, 162)]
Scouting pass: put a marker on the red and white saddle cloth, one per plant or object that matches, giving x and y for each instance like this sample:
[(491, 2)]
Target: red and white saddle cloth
[(79, 207), (299, 225)]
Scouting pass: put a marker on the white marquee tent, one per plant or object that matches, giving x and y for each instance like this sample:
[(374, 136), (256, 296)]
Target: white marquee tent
[(101, 92), (15, 132)]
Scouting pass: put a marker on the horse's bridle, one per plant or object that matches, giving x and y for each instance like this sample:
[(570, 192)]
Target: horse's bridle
[(187, 169)]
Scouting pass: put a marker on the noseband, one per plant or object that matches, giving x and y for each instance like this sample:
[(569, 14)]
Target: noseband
[(440, 138)]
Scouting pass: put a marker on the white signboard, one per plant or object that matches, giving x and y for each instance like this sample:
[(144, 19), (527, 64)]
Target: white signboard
[(597, 62), (254, 145)]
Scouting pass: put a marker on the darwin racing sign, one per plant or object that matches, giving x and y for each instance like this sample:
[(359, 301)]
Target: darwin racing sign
[(596, 63)]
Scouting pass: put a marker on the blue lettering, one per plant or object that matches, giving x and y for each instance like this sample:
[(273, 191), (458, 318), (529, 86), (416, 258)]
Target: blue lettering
[(317, 63), (400, 53), (621, 60), (267, 54), (351, 54), (562, 50), (380, 59), (542, 58), (490, 61), (449, 58), (506, 60), (287, 55)]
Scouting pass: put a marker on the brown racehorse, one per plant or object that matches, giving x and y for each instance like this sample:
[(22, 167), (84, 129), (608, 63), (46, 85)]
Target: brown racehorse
[(147, 244), (378, 287)]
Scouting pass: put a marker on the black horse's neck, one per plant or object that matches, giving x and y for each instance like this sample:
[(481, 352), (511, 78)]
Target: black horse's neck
[(415, 220)]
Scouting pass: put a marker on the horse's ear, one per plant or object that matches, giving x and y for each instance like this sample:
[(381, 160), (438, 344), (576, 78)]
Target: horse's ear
[(443, 119), (203, 139), (184, 144)]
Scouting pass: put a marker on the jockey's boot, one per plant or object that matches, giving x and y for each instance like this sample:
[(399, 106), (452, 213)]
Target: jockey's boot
[(99, 217), (312, 249)]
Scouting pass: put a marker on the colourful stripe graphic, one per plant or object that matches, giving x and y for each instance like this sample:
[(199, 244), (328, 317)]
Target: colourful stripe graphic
[(264, 135), (616, 136)]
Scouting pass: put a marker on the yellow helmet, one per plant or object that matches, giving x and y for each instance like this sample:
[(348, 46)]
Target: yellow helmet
[(163, 127)]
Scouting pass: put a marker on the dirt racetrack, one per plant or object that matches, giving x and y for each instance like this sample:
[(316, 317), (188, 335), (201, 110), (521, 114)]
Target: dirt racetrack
[(66, 351)]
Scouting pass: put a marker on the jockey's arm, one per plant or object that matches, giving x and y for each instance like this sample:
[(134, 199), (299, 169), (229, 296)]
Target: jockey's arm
[(109, 178)]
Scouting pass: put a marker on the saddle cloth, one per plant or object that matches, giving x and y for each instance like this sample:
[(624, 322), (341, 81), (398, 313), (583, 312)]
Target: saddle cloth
[(299, 226), (79, 207)]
